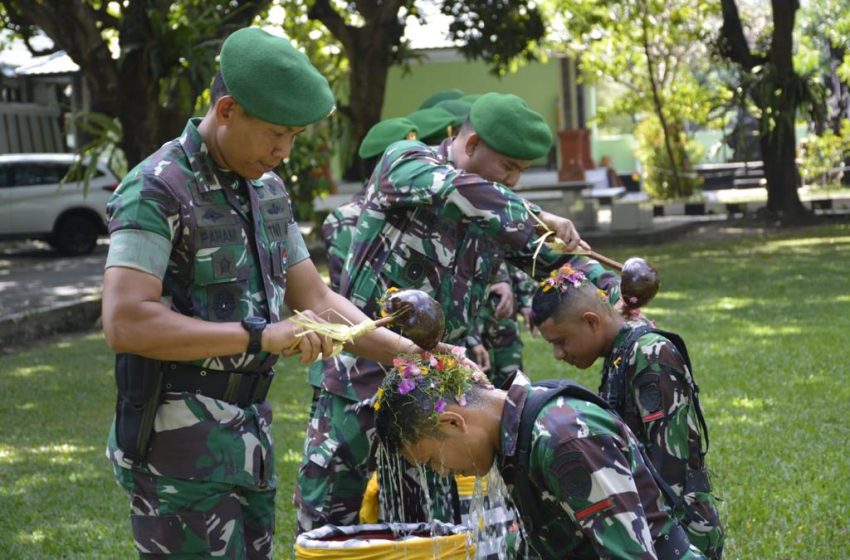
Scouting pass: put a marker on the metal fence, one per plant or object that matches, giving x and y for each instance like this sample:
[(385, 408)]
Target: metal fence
[(28, 127)]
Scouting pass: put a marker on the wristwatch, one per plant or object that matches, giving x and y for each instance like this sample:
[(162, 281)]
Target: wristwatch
[(255, 327)]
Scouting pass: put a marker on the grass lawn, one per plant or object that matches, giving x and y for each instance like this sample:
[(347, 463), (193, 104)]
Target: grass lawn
[(766, 319)]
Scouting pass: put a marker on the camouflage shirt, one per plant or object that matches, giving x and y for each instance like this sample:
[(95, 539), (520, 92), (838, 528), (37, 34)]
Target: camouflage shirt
[(659, 409), (427, 225), (337, 231), (595, 487), (221, 245)]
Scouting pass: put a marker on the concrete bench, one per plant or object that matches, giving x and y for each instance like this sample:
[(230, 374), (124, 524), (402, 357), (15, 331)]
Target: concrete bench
[(632, 212), (605, 195)]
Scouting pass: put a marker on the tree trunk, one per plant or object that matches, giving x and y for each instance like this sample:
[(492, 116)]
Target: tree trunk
[(657, 102), (370, 65), (778, 151), (779, 145)]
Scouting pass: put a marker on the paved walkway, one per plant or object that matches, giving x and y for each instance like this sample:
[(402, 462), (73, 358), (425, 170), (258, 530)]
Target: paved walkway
[(34, 277)]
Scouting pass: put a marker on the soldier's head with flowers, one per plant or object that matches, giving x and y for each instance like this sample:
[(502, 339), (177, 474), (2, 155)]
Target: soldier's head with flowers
[(423, 411), (575, 317)]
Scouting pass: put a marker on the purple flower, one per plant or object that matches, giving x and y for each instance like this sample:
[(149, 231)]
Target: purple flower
[(439, 406), (410, 370), (406, 386)]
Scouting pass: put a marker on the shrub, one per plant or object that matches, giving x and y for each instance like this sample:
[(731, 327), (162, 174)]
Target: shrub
[(657, 174), (821, 157)]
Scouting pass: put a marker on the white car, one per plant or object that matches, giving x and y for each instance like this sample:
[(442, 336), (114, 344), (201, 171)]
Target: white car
[(35, 205)]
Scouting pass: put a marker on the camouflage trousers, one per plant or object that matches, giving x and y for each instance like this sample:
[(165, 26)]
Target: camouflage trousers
[(501, 338), (339, 458), (183, 519), (703, 528)]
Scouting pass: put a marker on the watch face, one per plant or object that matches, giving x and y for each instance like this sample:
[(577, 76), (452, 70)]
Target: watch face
[(255, 321)]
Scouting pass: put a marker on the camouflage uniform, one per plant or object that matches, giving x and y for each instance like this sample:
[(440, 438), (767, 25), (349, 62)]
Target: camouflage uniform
[(501, 336), (208, 483), (595, 487), (337, 231), (659, 408), (425, 225)]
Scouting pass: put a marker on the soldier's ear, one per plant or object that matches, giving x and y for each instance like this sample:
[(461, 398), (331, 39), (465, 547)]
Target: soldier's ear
[(471, 143), (592, 320), (451, 423), (225, 108)]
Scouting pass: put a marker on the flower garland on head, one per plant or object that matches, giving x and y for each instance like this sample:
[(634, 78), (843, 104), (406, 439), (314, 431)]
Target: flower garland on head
[(567, 277), (434, 375), (563, 279)]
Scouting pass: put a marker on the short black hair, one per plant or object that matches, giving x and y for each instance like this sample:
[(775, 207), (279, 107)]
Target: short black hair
[(218, 89)]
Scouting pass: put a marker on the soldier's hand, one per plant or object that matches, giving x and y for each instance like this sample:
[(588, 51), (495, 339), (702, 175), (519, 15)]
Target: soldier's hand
[(563, 228), (526, 317), (280, 338), (505, 307), (480, 356)]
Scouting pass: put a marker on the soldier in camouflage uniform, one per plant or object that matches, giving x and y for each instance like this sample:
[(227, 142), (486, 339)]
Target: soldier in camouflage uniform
[(339, 226), (204, 253), (572, 467), (434, 220), (647, 380), (500, 330)]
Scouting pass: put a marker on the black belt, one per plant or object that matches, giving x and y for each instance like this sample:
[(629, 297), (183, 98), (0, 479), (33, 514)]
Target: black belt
[(237, 388)]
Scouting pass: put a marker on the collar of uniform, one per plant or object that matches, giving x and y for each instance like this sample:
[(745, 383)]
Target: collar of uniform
[(444, 150), (210, 176), (619, 340), (512, 413)]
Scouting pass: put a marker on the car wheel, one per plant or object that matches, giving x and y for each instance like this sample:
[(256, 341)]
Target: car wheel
[(75, 235)]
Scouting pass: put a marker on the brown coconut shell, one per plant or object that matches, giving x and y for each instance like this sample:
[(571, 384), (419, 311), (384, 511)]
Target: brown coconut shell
[(418, 317), (639, 282)]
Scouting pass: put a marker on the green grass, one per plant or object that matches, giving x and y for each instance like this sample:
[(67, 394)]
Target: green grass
[(766, 319)]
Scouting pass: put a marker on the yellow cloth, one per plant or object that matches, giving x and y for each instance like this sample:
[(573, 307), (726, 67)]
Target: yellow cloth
[(369, 506), (453, 546), (466, 486)]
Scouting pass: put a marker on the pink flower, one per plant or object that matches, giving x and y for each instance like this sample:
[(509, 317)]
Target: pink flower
[(410, 370), (398, 362), (432, 360), (461, 400), (459, 352)]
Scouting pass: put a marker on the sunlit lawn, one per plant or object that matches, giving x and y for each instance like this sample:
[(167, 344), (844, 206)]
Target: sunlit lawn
[(767, 321)]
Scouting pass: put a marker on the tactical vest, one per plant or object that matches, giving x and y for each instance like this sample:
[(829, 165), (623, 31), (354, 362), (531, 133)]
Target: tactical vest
[(671, 546), (616, 393), (218, 246)]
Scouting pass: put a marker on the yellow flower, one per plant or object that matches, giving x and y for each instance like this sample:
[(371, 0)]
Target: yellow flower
[(392, 290), (424, 370), (377, 405), (451, 363), (617, 361), (380, 393)]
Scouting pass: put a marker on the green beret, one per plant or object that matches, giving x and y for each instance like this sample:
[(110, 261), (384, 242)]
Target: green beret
[(441, 96), (460, 110), (272, 80), (470, 98), (383, 134), (432, 121), (505, 123)]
